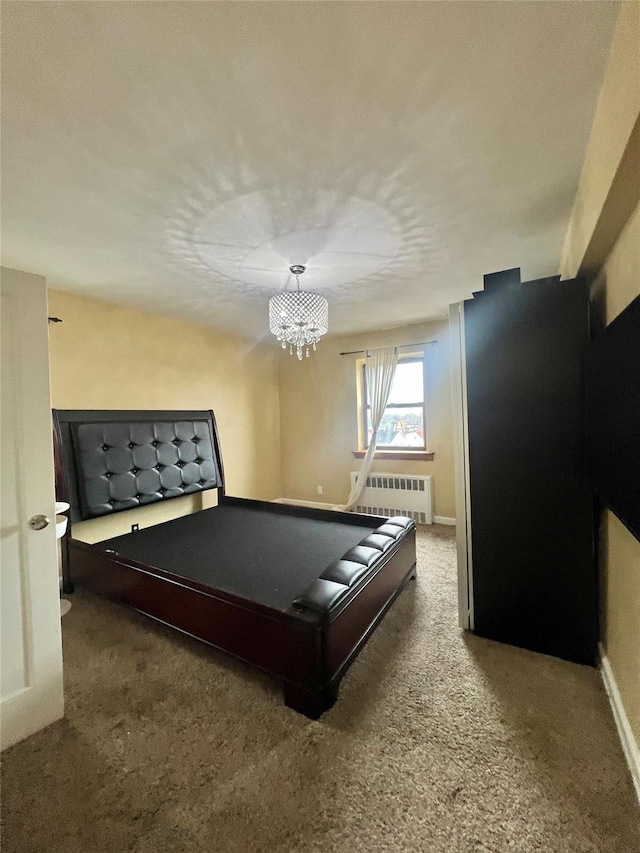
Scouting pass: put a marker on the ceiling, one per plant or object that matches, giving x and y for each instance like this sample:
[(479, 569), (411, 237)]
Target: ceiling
[(179, 156)]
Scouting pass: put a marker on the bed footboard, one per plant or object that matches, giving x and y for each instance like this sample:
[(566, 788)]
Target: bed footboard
[(308, 647), (349, 617)]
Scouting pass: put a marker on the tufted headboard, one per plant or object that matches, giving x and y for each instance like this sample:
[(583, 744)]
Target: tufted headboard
[(109, 461)]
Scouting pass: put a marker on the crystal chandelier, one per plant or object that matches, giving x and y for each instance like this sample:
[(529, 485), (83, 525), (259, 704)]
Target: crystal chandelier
[(298, 318)]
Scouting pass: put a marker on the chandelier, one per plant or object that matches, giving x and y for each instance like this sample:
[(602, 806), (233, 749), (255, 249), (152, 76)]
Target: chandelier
[(298, 318)]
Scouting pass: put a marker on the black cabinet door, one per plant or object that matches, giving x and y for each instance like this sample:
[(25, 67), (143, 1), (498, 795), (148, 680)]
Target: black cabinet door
[(534, 582)]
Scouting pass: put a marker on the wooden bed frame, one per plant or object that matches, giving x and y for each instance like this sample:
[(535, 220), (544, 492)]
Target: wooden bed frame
[(308, 646)]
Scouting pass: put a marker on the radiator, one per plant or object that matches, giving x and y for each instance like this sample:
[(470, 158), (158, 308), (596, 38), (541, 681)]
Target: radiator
[(394, 494)]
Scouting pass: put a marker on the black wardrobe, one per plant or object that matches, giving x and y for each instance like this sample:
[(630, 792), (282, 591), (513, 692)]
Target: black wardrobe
[(525, 510)]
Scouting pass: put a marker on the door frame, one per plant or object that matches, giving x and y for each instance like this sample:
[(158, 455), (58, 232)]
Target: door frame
[(461, 460)]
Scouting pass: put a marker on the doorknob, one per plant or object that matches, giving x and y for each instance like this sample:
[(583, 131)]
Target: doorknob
[(38, 522)]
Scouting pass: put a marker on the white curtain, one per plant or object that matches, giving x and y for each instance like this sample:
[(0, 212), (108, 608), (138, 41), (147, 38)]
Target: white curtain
[(380, 370)]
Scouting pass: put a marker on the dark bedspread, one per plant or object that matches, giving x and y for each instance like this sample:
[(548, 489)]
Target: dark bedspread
[(260, 555)]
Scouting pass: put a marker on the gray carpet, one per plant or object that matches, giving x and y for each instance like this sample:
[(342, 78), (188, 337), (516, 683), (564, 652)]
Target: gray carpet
[(438, 743)]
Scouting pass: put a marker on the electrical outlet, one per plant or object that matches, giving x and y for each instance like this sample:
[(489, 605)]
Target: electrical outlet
[(319, 490), (134, 527)]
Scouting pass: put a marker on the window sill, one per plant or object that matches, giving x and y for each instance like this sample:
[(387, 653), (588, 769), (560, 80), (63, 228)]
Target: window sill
[(415, 455)]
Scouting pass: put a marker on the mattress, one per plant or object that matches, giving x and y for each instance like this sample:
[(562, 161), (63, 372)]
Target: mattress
[(264, 556)]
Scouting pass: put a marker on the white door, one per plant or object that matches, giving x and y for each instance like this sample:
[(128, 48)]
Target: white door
[(31, 650)]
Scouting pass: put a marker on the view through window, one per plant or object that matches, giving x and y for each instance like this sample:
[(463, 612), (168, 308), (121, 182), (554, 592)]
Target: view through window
[(403, 422)]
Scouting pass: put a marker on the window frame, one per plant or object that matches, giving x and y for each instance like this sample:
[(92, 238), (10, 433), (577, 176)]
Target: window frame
[(364, 408)]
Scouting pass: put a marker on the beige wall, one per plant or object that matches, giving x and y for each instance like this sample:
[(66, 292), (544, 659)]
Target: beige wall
[(105, 356), (618, 283), (613, 127), (603, 244), (319, 424)]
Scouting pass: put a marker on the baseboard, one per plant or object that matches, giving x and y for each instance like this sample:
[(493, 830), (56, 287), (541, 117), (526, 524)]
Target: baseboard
[(629, 744), (312, 504), (443, 519)]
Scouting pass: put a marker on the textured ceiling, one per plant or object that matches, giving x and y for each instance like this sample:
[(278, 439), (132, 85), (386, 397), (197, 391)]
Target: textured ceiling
[(180, 156)]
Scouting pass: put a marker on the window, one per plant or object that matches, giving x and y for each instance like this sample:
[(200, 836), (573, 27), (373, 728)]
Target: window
[(403, 425)]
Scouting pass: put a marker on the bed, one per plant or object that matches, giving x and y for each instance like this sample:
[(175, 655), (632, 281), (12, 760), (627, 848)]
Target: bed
[(292, 590)]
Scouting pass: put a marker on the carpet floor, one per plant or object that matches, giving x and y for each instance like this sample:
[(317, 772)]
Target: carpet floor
[(439, 743)]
